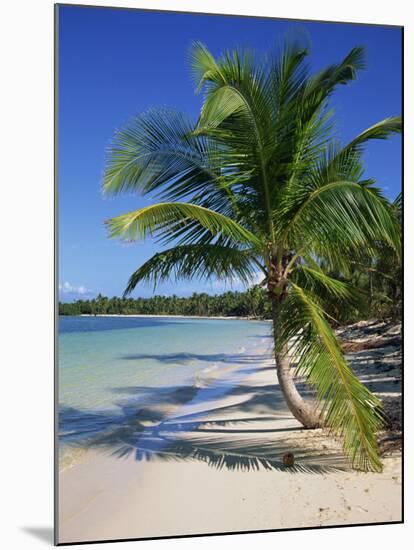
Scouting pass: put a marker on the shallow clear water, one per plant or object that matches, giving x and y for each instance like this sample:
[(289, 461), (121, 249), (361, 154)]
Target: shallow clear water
[(104, 359)]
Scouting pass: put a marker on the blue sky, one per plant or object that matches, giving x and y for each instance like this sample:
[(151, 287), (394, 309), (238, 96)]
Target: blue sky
[(114, 64)]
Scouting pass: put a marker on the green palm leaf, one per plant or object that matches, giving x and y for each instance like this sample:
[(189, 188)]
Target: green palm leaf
[(157, 152), (349, 408), (158, 219), (201, 261), (317, 281), (339, 218), (327, 79), (381, 130)]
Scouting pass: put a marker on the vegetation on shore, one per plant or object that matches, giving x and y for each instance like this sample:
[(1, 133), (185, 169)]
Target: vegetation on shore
[(381, 288), (261, 184), (251, 303)]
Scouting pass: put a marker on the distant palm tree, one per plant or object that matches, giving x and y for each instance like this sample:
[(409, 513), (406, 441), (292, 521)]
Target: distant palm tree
[(260, 184)]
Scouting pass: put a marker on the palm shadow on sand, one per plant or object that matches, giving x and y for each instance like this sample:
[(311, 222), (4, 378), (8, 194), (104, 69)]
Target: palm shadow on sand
[(179, 423)]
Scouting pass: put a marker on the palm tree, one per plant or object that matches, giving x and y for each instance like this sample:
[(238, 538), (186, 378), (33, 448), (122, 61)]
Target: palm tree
[(260, 184)]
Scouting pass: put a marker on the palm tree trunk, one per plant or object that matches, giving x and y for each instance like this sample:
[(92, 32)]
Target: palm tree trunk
[(305, 412)]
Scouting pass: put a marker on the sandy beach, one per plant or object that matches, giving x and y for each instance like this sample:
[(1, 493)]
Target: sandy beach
[(210, 460), (167, 316)]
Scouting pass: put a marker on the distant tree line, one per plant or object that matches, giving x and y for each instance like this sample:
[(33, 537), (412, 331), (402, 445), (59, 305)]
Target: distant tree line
[(380, 284), (251, 303)]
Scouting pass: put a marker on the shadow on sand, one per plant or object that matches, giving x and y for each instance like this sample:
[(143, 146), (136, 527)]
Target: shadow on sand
[(252, 430)]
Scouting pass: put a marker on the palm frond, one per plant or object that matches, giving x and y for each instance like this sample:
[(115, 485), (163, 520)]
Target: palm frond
[(327, 79), (339, 218), (218, 106), (398, 202), (350, 154), (196, 261), (158, 153), (381, 130), (350, 410), (203, 65), (398, 206), (169, 218), (237, 114), (289, 72), (316, 280), (332, 292)]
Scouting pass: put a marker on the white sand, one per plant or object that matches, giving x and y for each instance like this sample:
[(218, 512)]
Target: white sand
[(106, 497), (167, 315)]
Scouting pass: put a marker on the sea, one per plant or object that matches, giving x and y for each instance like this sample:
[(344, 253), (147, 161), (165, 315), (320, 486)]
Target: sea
[(106, 365)]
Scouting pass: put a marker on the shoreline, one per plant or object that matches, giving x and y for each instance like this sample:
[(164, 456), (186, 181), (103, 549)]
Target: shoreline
[(204, 379), (152, 315), (223, 438)]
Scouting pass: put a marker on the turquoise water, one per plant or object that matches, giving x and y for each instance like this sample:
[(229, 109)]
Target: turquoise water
[(103, 360), (97, 355)]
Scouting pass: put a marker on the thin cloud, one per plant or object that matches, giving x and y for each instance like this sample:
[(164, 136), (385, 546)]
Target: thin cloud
[(67, 288)]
